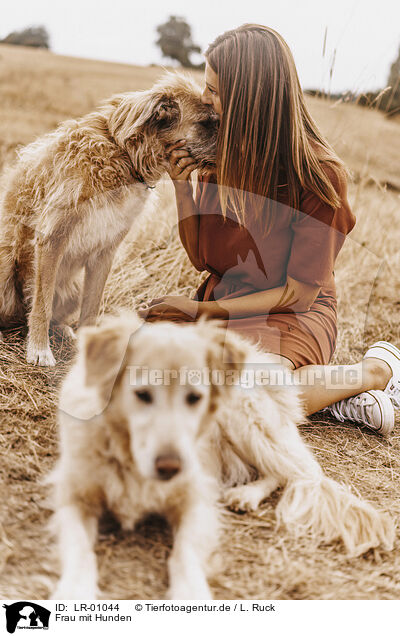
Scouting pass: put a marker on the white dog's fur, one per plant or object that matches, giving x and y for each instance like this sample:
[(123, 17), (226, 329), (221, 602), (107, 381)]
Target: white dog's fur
[(73, 194), (116, 424)]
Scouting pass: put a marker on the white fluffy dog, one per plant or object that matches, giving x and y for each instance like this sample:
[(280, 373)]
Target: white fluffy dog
[(140, 433)]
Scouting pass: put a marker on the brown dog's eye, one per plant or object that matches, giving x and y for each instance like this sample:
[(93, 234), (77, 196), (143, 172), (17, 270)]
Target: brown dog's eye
[(207, 123), (144, 396), (193, 398)]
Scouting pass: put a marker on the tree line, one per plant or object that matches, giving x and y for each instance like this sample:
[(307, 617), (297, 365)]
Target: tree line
[(176, 43)]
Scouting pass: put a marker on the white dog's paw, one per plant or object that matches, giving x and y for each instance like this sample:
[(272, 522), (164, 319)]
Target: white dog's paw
[(242, 498), (77, 590), (41, 357)]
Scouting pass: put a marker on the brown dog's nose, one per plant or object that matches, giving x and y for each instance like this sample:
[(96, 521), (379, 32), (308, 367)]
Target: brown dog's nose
[(167, 466)]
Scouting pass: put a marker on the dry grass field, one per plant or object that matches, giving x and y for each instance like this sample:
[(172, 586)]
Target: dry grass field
[(37, 90)]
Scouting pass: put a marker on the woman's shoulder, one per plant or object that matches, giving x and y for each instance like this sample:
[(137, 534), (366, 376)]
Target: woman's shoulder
[(340, 216), (336, 174)]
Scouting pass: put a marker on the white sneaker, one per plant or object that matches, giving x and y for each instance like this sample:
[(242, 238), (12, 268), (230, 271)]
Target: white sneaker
[(391, 355), (374, 409)]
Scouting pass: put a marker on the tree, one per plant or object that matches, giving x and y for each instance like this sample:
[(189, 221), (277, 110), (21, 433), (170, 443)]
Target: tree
[(394, 75), (387, 99), (394, 83), (175, 41), (36, 36)]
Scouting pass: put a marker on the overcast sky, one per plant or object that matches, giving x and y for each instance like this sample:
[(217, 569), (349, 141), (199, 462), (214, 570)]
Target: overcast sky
[(365, 34)]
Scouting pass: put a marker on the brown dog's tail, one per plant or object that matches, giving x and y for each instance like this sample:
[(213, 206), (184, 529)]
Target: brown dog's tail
[(329, 510)]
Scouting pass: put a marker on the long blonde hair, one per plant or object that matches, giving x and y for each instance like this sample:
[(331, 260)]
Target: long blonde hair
[(266, 134)]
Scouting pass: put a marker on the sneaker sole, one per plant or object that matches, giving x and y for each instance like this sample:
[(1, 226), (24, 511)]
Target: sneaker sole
[(387, 347), (387, 413), (390, 354)]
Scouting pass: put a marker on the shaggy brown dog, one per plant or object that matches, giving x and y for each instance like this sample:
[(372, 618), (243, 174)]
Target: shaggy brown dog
[(147, 426), (73, 194)]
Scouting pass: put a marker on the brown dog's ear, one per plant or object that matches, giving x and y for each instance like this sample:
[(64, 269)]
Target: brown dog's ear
[(104, 351), (134, 114), (166, 113)]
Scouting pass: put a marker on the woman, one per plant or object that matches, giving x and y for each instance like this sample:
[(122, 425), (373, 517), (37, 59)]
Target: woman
[(270, 232)]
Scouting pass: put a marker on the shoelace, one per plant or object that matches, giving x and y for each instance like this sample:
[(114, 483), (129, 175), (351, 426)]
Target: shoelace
[(354, 409)]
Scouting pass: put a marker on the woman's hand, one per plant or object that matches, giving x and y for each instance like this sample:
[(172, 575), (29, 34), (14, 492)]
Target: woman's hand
[(171, 308), (181, 164)]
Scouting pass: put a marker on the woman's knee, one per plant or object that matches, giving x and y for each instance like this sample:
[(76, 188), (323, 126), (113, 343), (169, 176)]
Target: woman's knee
[(376, 373)]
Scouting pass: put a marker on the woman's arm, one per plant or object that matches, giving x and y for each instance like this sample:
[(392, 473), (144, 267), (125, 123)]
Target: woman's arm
[(180, 168), (188, 221), (293, 297)]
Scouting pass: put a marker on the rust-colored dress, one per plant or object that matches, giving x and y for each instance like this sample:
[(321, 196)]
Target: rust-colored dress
[(302, 244)]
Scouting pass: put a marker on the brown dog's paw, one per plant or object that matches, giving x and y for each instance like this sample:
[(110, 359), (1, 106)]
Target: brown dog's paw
[(41, 357), (65, 332)]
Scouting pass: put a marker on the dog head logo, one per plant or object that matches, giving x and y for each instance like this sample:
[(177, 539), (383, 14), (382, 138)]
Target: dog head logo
[(26, 615)]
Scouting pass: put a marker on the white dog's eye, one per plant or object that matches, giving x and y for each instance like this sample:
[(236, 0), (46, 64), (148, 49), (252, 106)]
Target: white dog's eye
[(144, 395), (193, 398)]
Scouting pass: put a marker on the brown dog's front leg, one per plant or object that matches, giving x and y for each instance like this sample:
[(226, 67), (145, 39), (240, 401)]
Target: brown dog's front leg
[(97, 269), (48, 255)]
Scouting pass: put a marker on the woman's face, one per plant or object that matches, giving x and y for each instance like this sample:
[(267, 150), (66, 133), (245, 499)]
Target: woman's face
[(210, 93)]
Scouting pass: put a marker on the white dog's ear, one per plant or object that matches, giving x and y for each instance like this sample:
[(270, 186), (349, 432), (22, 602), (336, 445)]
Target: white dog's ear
[(226, 354), (224, 345), (104, 350)]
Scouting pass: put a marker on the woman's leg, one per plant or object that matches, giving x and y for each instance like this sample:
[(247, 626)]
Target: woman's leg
[(323, 385)]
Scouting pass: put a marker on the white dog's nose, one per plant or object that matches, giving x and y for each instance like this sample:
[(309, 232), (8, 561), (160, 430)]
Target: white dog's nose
[(167, 466)]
